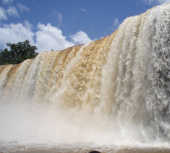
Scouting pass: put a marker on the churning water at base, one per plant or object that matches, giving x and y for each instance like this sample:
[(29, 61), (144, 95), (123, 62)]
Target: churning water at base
[(111, 92)]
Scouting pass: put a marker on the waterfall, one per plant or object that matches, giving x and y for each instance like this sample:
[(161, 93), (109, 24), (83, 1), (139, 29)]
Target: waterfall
[(113, 89)]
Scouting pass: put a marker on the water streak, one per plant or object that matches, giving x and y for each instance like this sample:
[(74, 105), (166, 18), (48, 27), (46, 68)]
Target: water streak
[(116, 89)]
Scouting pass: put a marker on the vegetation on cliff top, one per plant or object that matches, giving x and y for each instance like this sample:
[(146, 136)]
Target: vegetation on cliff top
[(17, 53)]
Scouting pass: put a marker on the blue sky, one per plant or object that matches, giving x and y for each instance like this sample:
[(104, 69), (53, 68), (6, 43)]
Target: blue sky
[(58, 24)]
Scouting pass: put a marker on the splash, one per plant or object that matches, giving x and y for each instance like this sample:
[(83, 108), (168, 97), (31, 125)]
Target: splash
[(113, 90)]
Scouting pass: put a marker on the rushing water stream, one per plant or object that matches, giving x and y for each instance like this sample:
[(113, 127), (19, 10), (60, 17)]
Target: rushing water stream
[(112, 95)]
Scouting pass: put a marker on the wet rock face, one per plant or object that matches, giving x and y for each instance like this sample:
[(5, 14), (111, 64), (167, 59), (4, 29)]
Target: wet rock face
[(94, 151)]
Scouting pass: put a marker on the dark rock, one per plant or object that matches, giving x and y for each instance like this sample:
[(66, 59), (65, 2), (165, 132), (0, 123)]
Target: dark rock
[(94, 151)]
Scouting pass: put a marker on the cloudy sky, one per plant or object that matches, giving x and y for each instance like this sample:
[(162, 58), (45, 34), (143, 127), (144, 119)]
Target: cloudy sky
[(58, 24)]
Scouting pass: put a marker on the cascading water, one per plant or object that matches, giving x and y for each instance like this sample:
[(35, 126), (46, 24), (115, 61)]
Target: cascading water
[(111, 91)]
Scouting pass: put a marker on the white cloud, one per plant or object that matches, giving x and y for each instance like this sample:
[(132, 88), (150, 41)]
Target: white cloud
[(163, 1), (14, 33), (59, 18), (83, 10), (74, 17), (2, 14), (46, 38), (49, 37), (7, 1), (115, 24), (12, 11), (23, 8), (5, 11), (149, 2), (80, 38)]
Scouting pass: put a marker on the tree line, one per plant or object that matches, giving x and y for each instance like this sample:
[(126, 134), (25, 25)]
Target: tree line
[(17, 53)]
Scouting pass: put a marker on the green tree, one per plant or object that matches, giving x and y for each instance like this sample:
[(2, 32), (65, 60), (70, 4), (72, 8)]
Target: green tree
[(18, 53)]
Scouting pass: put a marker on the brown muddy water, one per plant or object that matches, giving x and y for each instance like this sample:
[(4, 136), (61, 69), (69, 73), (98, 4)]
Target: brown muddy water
[(79, 148)]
